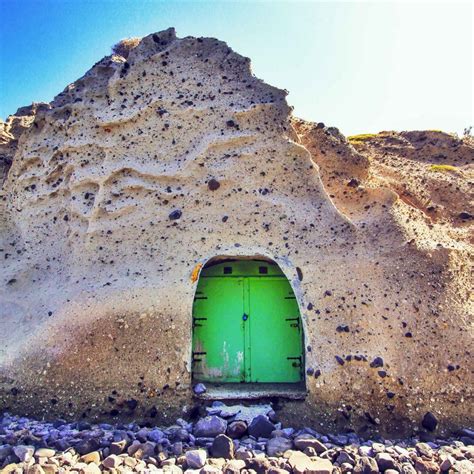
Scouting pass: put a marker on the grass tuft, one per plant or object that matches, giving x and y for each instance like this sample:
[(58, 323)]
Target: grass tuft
[(362, 137), (443, 168)]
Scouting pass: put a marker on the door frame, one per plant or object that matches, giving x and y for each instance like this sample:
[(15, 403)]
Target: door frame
[(290, 272)]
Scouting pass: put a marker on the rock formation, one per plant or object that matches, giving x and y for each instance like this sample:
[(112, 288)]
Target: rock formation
[(150, 165)]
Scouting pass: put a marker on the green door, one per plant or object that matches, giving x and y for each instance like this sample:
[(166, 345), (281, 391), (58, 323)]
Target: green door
[(246, 325), (218, 350)]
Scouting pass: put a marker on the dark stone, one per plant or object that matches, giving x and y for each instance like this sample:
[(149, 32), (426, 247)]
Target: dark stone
[(213, 184), (176, 214), (465, 215), (231, 123), (342, 328), (132, 404), (340, 360), (317, 373), (261, 427), (222, 447), (237, 429), (86, 446), (299, 273), (377, 362), (345, 457), (320, 125), (210, 426), (429, 421), (353, 183)]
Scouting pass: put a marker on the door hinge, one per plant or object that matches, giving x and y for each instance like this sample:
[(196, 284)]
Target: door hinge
[(196, 356), (195, 324), (294, 325), (297, 360)]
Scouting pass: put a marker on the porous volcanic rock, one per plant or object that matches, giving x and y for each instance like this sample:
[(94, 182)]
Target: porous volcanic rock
[(97, 278)]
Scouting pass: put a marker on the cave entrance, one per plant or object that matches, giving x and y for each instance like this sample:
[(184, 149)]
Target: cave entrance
[(246, 325)]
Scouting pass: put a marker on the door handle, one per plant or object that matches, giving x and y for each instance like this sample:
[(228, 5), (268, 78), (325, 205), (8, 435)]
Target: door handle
[(245, 317)]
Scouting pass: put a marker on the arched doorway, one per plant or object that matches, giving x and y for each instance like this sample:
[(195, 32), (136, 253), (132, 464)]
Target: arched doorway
[(246, 324)]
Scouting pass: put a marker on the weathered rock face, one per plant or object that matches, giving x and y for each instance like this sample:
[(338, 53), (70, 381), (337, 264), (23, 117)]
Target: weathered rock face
[(150, 165)]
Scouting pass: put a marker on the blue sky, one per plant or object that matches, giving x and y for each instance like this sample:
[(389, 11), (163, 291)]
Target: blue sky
[(359, 66)]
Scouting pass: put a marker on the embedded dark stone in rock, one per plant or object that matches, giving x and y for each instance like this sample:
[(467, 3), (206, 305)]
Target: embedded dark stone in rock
[(261, 427), (132, 404), (213, 184), (222, 447), (210, 426), (377, 362), (231, 123), (237, 429), (353, 183), (118, 447), (299, 273), (320, 125), (429, 421), (465, 215), (317, 373), (339, 360), (342, 328), (176, 214)]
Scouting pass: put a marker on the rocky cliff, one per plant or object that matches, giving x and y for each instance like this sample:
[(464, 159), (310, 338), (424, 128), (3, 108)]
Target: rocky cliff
[(152, 164)]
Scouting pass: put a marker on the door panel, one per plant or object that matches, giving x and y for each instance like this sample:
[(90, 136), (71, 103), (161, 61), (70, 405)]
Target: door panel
[(275, 333), (218, 330)]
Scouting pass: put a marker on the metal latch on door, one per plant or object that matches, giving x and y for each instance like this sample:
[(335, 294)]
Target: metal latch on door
[(295, 364)]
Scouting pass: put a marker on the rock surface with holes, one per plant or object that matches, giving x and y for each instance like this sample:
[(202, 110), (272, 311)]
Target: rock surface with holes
[(138, 173)]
